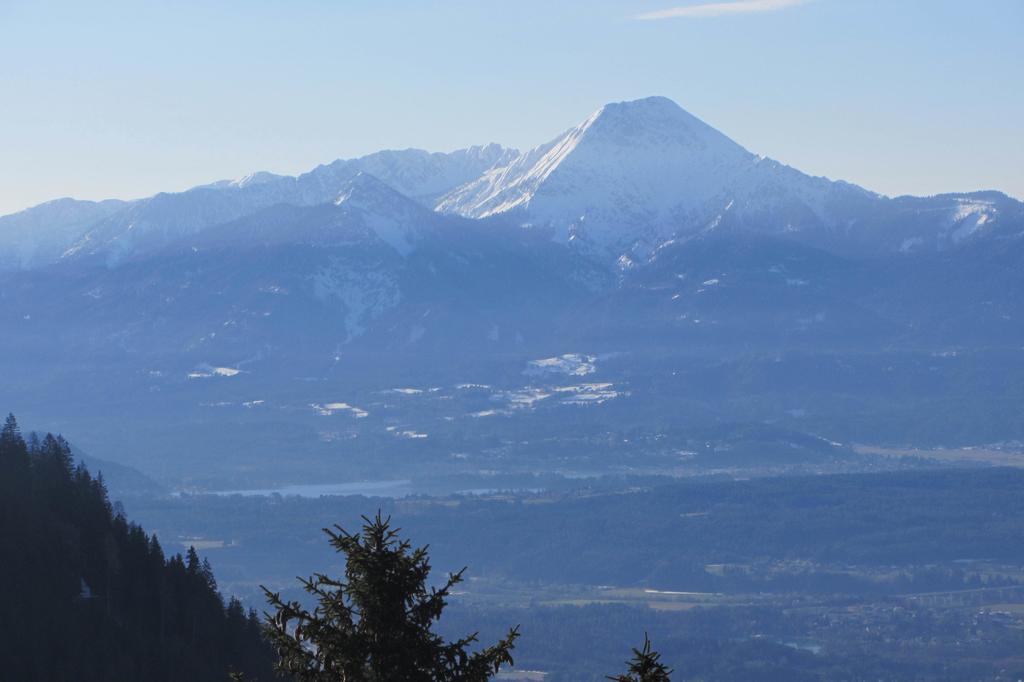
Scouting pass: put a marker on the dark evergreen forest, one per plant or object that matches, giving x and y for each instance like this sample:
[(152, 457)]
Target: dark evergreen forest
[(88, 595)]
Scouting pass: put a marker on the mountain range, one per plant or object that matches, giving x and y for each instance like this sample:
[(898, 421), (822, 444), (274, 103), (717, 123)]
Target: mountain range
[(629, 178), (662, 276)]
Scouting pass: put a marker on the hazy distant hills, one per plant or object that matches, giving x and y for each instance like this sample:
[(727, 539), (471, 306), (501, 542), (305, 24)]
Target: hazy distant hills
[(40, 235), (663, 277)]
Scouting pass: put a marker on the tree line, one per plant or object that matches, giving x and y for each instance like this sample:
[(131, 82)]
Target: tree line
[(89, 596)]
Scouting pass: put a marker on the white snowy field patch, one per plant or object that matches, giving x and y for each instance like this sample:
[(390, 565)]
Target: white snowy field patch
[(970, 216), (588, 394), (208, 371), (524, 398), (488, 413), (328, 409), (967, 208), (572, 364), (528, 397)]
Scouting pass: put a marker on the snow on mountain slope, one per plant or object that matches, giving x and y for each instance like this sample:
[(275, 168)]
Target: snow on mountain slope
[(164, 218), (629, 178), (652, 145), (390, 216), (946, 221), (364, 211), (636, 173), (40, 234), (425, 176), (343, 257)]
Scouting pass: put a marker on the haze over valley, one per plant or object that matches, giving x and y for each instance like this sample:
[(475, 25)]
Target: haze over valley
[(639, 294), (525, 342)]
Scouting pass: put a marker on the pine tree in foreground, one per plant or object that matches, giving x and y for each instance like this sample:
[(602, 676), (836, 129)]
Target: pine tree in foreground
[(645, 666), (375, 625)]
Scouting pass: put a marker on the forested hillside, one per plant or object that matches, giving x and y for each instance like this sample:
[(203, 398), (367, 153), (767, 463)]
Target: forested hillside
[(90, 596)]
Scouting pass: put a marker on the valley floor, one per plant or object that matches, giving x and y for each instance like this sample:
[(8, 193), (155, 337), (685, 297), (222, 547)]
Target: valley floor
[(893, 575)]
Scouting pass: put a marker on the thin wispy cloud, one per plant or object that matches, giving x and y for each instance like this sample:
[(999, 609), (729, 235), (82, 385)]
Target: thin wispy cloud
[(719, 9)]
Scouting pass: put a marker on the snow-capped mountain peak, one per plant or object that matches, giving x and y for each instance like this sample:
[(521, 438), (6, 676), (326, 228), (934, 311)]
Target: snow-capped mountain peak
[(628, 166), (634, 174), (655, 121)]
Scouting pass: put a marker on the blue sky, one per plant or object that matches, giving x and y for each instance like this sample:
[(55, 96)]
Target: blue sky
[(101, 99)]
